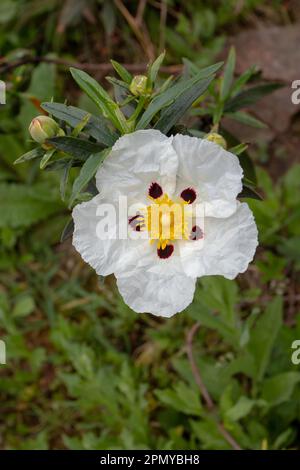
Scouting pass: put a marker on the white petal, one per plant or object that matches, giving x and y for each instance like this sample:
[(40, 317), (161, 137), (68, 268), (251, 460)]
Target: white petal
[(104, 255), (137, 160), (213, 172), (161, 295), (227, 248)]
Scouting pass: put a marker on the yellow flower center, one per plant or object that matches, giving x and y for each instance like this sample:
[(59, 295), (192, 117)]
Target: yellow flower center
[(166, 220)]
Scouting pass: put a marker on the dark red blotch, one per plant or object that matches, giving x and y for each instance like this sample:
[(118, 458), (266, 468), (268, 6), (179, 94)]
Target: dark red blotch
[(166, 252), (196, 233), (155, 190), (188, 195)]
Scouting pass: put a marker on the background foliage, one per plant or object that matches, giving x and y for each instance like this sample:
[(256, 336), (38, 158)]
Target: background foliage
[(84, 371)]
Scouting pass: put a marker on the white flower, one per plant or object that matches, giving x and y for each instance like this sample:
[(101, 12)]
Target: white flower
[(150, 168)]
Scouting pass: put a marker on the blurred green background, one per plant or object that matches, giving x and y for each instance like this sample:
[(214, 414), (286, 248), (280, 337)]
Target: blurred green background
[(83, 371)]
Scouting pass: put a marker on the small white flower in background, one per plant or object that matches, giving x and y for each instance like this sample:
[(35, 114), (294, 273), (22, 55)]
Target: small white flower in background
[(154, 170)]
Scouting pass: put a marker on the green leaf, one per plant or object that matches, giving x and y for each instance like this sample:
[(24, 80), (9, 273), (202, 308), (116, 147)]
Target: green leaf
[(115, 81), (244, 159), (87, 172), (250, 96), (171, 115), (221, 295), (247, 119), (278, 389), (62, 162), (284, 439), (209, 435), (238, 149), (76, 147), (38, 152), (241, 409), (166, 84), (22, 206), (263, 336), (165, 99), (182, 398), (46, 158), (192, 69), (123, 73), (242, 80), (101, 98), (200, 311), (97, 127), (249, 192), (68, 230), (64, 178), (91, 87), (227, 78), (8, 10), (81, 125), (24, 306), (154, 68)]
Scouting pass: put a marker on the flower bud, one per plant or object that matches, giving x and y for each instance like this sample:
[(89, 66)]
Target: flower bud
[(138, 85), (217, 139), (42, 128)]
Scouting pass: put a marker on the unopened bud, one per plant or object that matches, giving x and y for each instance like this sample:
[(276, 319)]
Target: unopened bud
[(217, 139), (43, 127), (138, 85)]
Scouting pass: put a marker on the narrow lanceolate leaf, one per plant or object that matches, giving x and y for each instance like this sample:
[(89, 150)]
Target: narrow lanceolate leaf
[(165, 99), (193, 69), (76, 147), (238, 149), (101, 98), (35, 153), (62, 162), (248, 167), (97, 127), (228, 75), (249, 192), (165, 85), (46, 158), (247, 119), (154, 68), (242, 80), (81, 125), (250, 96), (120, 83), (64, 178), (68, 230), (244, 159), (87, 172), (171, 115), (122, 72)]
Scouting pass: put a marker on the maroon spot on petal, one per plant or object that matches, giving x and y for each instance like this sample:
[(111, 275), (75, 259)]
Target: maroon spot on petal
[(132, 219), (155, 190), (196, 233), (188, 195), (166, 252), (135, 222)]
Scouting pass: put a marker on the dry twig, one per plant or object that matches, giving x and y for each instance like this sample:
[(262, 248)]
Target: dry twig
[(203, 390), (140, 12), (162, 24), (101, 67), (142, 36)]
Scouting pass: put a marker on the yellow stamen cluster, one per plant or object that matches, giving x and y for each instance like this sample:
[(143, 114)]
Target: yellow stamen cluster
[(166, 220)]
